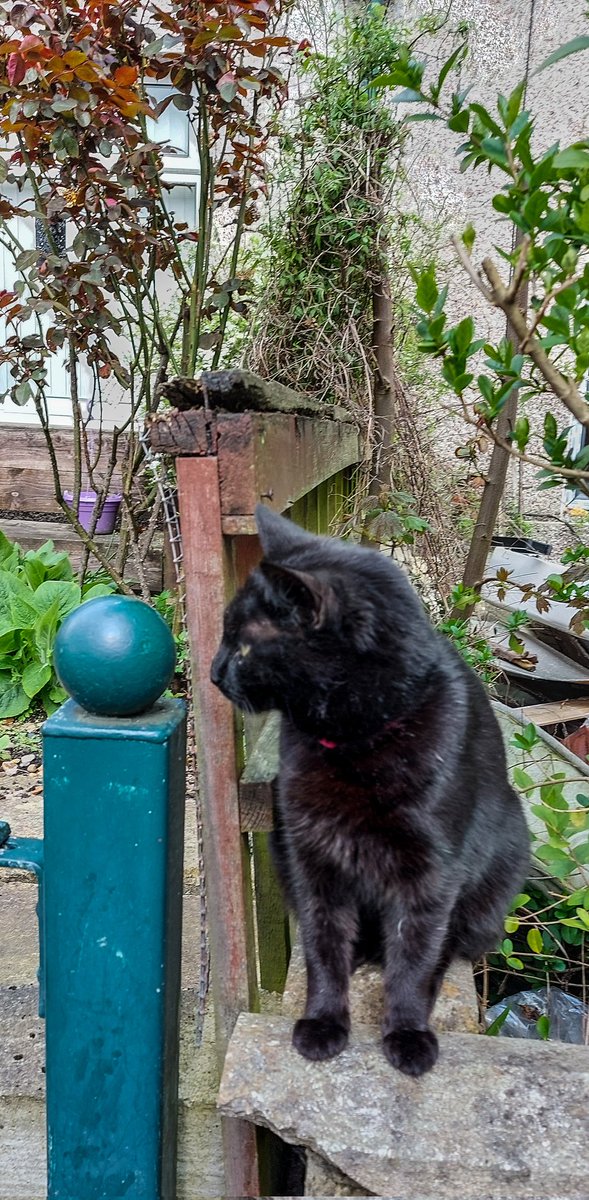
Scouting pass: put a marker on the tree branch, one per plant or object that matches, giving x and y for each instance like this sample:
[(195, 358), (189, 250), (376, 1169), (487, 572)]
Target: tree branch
[(562, 387)]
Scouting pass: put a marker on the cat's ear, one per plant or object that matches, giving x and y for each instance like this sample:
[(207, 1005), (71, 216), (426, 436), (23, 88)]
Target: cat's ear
[(312, 597), (277, 535)]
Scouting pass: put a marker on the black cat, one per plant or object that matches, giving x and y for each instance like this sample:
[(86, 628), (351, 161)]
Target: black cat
[(397, 835)]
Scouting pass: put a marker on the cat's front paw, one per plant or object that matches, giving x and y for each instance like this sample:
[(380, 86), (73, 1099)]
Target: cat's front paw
[(319, 1037), (412, 1051)]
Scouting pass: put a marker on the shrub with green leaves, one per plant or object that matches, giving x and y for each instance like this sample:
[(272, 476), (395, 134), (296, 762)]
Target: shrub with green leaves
[(547, 929), (37, 591)]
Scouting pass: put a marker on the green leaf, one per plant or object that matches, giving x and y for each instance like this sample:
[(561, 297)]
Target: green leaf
[(459, 122), (57, 562), (407, 96), (543, 1027), (13, 699), (469, 236), (521, 433), (515, 102), (495, 1025), (17, 610), (34, 572), (520, 900), (68, 596), (44, 631), (7, 549), (427, 289), (511, 924), (97, 589), (515, 963), (522, 780), (572, 47), (575, 158), (534, 940), (35, 676), (557, 863)]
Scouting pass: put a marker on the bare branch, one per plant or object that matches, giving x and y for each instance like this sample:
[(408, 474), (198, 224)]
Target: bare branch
[(472, 273)]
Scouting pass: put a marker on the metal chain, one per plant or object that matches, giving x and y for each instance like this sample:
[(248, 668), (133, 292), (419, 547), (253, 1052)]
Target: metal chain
[(168, 496)]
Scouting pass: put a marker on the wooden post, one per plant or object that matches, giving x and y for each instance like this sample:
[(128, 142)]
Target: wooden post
[(226, 851)]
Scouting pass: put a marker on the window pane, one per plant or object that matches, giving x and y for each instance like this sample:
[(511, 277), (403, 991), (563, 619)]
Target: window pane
[(181, 202), (172, 127)]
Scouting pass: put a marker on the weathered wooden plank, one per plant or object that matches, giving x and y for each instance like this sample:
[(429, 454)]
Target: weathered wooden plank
[(173, 432), (226, 853), (274, 457), (555, 712), (258, 781), (272, 918), (278, 458), (26, 478), (32, 534), (237, 390)]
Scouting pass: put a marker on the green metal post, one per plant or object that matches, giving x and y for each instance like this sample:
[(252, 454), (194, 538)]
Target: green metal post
[(112, 907)]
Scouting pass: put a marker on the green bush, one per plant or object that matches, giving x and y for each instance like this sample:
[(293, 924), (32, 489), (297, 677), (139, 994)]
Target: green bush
[(37, 590)]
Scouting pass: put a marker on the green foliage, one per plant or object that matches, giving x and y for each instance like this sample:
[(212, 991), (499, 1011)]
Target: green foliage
[(37, 591), (548, 926), (167, 605), (328, 238), (389, 518)]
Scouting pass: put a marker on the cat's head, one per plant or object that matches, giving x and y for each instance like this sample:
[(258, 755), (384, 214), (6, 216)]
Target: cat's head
[(317, 618)]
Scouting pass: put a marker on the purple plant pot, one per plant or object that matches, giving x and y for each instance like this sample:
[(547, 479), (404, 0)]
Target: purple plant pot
[(107, 519)]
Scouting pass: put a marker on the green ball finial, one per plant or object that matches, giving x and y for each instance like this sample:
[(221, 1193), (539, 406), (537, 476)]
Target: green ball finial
[(115, 656)]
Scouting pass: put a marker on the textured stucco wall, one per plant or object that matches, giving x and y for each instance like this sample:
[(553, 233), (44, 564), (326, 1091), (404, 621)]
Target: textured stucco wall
[(500, 31)]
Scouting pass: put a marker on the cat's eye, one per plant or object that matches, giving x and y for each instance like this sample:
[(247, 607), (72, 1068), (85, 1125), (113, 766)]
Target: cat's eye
[(244, 650)]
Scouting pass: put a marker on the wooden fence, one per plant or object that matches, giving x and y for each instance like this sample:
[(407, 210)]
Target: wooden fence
[(28, 504), (227, 462)]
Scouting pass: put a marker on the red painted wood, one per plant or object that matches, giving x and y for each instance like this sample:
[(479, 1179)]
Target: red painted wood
[(208, 580)]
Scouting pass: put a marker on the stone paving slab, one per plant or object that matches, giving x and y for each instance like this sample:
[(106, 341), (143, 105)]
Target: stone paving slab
[(496, 1119)]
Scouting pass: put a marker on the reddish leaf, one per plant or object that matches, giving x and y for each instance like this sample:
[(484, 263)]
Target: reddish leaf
[(125, 76), (227, 86), (15, 69), (30, 42)]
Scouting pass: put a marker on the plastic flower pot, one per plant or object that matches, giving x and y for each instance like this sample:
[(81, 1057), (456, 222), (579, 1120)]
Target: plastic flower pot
[(107, 519)]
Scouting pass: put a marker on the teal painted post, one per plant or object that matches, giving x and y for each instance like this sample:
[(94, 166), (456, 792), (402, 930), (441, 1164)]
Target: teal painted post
[(113, 871)]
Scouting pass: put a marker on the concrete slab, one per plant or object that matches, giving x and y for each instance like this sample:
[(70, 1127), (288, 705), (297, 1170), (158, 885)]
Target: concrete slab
[(496, 1119)]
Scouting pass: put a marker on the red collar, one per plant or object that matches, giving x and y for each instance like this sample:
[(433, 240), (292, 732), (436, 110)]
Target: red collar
[(327, 745)]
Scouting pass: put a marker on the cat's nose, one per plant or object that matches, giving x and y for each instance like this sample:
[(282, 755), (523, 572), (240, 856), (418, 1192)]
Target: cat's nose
[(217, 668)]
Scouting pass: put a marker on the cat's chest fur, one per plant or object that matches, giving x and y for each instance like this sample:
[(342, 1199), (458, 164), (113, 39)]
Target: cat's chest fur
[(356, 811)]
